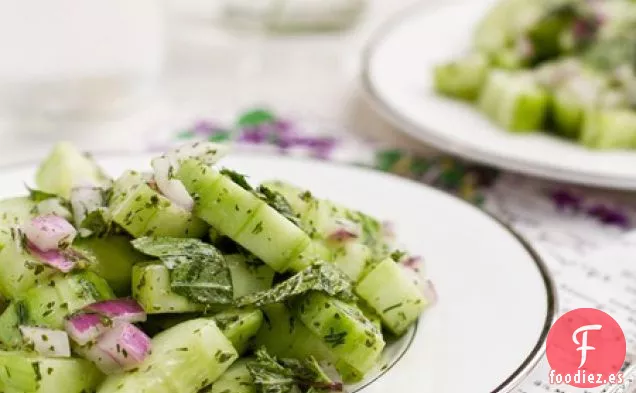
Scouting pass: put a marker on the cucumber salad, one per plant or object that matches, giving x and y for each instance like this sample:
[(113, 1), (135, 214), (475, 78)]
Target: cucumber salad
[(567, 67), (187, 278)]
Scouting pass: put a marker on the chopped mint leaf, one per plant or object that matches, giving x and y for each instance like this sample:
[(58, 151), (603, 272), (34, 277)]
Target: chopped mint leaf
[(237, 178), (397, 255), (319, 277), (273, 375), (278, 202), (95, 223), (198, 270), (39, 195)]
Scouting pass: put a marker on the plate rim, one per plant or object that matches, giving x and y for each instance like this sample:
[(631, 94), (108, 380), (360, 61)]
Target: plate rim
[(534, 356), (450, 146)]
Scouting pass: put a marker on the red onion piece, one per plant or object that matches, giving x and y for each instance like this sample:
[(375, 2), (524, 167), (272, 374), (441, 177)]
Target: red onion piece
[(346, 230), (342, 235), (126, 344), (85, 328), (49, 232), (54, 258), (47, 342), (125, 310), (413, 262), (428, 289), (102, 359)]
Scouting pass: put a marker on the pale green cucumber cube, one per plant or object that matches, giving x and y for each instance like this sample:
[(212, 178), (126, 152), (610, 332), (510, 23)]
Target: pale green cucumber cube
[(14, 211), (567, 112), (114, 258), (237, 379), (315, 251), (343, 327), (393, 295), (65, 168), (50, 303), (219, 201), (247, 279), (28, 373), (514, 101), (285, 336), (19, 271), (185, 359), (239, 326), (462, 78), (151, 288), (610, 129), (142, 211), (352, 258), (10, 320), (273, 238)]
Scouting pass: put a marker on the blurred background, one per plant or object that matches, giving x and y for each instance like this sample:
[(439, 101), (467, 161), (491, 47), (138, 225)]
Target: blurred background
[(106, 73)]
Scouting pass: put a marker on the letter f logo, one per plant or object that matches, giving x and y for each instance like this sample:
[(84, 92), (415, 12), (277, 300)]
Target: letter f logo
[(583, 344)]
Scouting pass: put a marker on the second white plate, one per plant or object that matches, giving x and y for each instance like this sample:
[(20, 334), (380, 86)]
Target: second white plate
[(397, 76)]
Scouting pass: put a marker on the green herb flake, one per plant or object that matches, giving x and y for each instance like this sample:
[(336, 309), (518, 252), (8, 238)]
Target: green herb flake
[(321, 277), (198, 270)]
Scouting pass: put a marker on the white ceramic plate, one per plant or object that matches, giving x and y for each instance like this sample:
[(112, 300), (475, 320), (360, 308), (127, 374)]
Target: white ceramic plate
[(397, 77), (496, 299)]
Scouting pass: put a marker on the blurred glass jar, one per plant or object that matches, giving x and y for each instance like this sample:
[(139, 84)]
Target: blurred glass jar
[(294, 15), (74, 60)]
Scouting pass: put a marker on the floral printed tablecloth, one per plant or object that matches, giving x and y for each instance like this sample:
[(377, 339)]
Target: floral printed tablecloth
[(574, 229)]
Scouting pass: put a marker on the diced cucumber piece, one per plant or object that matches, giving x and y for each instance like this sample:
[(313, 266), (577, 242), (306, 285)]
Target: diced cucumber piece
[(609, 129), (393, 295), (142, 211), (343, 327), (322, 216), (352, 259), (151, 288), (219, 201), (14, 211), (514, 101), (315, 251), (246, 278), (273, 238), (114, 258), (65, 168), (462, 78), (239, 326), (277, 331), (567, 113), (242, 216), (14, 316), (509, 59), (185, 359), (49, 304), (237, 379), (19, 271), (285, 336), (504, 22), (157, 323), (28, 373), (544, 35)]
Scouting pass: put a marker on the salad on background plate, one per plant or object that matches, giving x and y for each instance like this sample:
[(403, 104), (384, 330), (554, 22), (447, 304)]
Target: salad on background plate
[(189, 279), (567, 67)]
